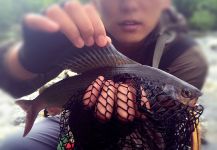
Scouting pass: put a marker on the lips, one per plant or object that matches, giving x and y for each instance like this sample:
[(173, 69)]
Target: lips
[(130, 25)]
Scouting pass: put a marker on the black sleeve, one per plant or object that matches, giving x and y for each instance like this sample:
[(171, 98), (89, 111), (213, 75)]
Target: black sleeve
[(191, 66), (18, 88)]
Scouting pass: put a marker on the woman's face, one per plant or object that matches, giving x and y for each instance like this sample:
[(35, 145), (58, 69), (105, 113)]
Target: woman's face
[(130, 21)]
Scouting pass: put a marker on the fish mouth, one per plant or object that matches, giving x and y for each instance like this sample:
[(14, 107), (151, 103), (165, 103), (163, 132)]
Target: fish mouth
[(192, 101), (198, 94)]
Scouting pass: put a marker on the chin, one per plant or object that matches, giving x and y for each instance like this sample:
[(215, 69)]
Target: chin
[(131, 40)]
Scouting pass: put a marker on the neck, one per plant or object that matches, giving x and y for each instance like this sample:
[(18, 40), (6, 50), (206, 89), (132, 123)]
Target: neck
[(127, 48)]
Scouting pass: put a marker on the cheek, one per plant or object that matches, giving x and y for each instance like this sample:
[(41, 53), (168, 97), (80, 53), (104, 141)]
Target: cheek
[(107, 9), (151, 20), (151, 13), (107, 12)]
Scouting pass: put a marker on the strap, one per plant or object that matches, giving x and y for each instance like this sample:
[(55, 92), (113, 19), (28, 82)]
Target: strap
[(173, 50), (163, 39)]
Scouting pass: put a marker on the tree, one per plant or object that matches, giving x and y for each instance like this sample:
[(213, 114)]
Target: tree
[(187, 7), (12, 12), (199, 13), (203, 20)]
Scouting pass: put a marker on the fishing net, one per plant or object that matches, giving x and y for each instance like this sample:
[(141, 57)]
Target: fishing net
[(160, 123)]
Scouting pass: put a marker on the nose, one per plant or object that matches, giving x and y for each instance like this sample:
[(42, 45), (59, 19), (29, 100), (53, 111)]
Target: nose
[(128, 6), (199, 93)]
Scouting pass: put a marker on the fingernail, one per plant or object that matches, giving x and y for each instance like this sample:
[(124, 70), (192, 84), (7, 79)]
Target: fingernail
[(89, 41), (79, 43), (101, 41)]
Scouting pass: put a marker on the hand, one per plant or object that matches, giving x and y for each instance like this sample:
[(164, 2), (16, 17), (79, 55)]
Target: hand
[(107, 97), (59, 29)]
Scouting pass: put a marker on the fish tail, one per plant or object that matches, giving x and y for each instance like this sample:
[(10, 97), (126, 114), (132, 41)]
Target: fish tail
[(31, 114)]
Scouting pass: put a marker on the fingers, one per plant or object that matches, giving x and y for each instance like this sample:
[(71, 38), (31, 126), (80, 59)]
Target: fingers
[(67, 26), (42, 23), (109, 39), (81, 24), (92, 92), (126, 96), (99, 29), (103, 95), (105, 103), (81, 21)]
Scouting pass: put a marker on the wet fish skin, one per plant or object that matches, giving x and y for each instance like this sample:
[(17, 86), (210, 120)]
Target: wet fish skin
[(58, 94)]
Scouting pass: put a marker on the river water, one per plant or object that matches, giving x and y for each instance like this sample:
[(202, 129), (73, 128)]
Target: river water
[(209, 99), (12, 117)]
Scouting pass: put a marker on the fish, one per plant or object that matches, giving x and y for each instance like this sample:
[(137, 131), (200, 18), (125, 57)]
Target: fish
[(58, 94), (107, 62)]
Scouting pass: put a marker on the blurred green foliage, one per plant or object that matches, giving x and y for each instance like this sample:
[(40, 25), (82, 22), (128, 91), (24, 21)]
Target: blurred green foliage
[(203, 20), (12, 12), (201, 14)]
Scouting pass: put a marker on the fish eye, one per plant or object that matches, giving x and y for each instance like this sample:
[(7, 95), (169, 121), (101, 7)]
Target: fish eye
[(186, 93)]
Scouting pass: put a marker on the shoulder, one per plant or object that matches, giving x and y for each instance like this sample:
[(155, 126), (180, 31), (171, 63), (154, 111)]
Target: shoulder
[(191, 58), (181, 44), (185, 59)]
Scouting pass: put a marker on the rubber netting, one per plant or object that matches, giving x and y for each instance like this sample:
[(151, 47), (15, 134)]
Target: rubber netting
[(161, 123)]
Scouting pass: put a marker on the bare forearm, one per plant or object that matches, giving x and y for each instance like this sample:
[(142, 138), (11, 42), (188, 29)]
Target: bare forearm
[(14, 79), (14, 67)]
